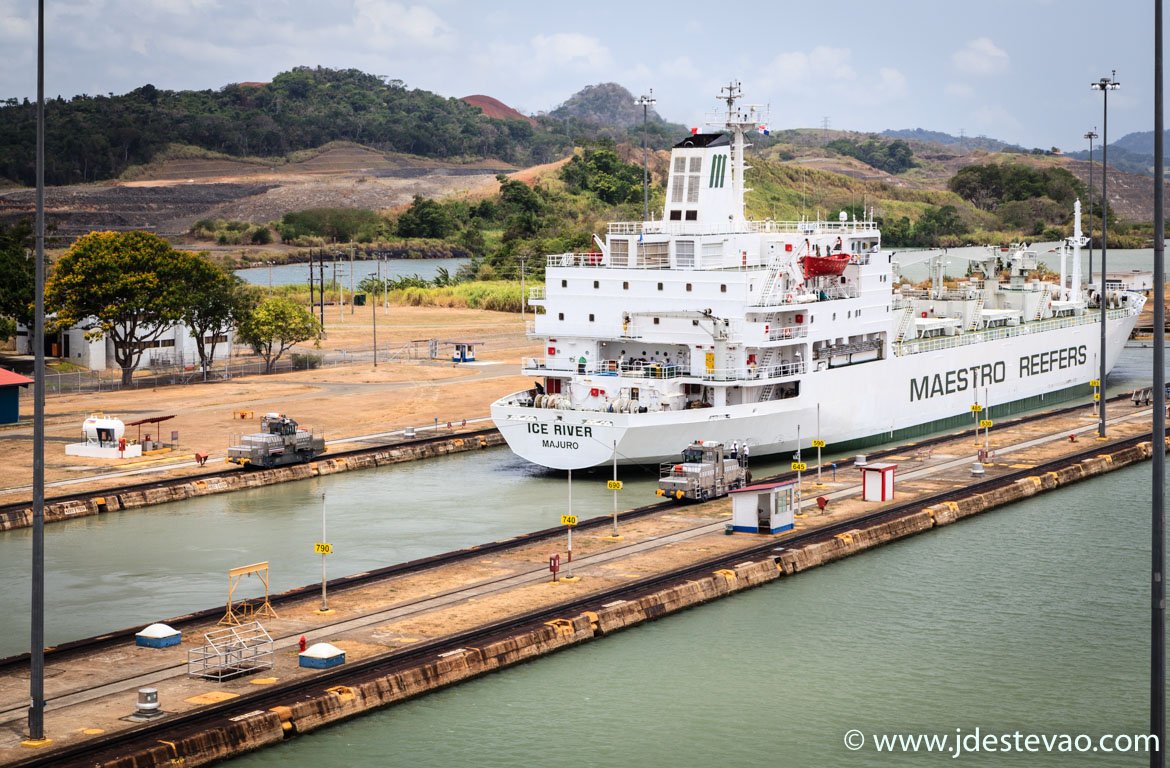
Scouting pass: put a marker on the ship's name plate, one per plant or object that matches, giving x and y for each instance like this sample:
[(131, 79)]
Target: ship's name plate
[(561, 430), (986, 374)]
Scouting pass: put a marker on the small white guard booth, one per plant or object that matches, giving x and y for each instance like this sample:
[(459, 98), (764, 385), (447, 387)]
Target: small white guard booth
[(877, 482), (764, 508)]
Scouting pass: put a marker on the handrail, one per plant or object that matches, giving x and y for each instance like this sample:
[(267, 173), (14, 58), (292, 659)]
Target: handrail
[(768, 225), (917, 346)]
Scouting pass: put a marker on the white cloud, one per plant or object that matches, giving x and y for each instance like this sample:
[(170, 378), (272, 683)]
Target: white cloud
[(16, 27), (184, 7), (796, 72), (958, 91), (570, 49), (981, 57), (392, 24)]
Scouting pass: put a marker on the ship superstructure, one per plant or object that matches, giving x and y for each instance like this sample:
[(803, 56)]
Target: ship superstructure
[(705, 325)]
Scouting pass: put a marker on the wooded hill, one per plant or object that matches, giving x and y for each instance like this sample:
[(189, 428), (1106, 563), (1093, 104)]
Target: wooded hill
[(92, 138)]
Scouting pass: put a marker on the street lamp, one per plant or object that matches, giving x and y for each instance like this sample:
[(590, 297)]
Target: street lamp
[(1105, 85), (1090, 136), (645, 102)]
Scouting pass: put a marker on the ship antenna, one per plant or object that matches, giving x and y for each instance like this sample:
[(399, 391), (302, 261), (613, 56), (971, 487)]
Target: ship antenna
[(738, 122)]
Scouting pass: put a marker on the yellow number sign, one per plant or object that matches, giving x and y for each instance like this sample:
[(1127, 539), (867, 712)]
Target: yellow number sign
[(613, 485), (818, 443), (985, 423), (1094, 382), (321, 548), (568, 519), (1096, 397), (977, 408), (799, 466)]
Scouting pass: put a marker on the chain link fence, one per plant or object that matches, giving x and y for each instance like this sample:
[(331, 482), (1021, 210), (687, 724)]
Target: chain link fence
[(168, 370)]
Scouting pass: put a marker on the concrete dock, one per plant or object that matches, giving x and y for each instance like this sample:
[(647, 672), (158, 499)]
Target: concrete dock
[(418, 631)]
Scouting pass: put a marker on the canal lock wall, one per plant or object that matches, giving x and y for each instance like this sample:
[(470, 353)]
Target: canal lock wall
[(189, 488), (332, 704)]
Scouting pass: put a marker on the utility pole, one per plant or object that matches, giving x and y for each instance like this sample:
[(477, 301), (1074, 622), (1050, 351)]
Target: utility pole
[(374, 313), (646, 101), (321, 286), (36, 709), (522, 297)]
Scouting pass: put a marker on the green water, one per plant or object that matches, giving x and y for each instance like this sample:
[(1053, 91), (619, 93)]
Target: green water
[(1032, 618)]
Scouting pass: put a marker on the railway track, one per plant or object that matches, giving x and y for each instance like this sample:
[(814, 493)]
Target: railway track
[(113, 745), (62, 651)]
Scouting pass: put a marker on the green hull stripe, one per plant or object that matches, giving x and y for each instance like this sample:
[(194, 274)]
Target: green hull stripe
[(962, 420)]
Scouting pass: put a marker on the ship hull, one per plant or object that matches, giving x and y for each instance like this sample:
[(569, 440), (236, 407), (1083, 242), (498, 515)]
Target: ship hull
[(846, 405)]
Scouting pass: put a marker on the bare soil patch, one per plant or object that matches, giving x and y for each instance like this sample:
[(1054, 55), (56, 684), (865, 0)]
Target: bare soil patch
[(347, 400)]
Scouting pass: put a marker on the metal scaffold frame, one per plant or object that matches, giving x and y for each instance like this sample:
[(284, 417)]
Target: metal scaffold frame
[(231, 652)]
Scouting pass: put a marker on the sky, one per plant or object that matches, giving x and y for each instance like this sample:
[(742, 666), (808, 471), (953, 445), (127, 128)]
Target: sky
[(1015, 70)]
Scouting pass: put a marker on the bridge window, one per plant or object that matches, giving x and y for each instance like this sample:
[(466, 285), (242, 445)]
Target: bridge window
[(619, 253), (591, 317), (693, 180), (560, 315), (596, 285), (684, 253)]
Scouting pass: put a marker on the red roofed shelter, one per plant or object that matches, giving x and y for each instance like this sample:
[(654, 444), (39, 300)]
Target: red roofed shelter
[(10, 396)]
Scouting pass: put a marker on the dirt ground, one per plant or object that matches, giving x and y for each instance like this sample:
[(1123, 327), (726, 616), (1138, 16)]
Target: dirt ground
[(347, 400)]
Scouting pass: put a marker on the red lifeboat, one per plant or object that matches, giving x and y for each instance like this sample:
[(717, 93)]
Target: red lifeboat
[(817, 266)]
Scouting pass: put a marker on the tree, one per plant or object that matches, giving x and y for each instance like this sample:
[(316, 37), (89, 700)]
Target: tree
[(17, 278), (129, 286), (215, 301), (275, 325), (425, 218)]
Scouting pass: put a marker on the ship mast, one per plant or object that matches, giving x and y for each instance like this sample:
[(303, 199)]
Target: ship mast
[(737, 122)]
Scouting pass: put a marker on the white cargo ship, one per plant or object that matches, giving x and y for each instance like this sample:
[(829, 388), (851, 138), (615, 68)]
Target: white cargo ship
[(706, 325)]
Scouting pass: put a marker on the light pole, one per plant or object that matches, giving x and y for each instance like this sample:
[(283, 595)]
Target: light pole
[(1158, 474), (1090, 136), (1105, 85), (646, 102), (36, 709)]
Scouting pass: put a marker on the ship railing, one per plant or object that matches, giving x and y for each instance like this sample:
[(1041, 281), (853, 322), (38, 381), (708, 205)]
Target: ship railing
[(788, 332), (529, 327), (916, 346), (536, 293), (831, 293), (779, 370), (765, 226), (640, 369), (590, 259)]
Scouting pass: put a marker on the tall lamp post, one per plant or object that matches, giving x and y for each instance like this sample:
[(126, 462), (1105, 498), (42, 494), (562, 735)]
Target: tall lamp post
[(645, 102), (1158, 474), (36, 709), (1090, 136), (1104, 85)]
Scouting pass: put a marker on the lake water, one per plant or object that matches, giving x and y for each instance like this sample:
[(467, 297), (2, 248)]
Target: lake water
[(293, 274)]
